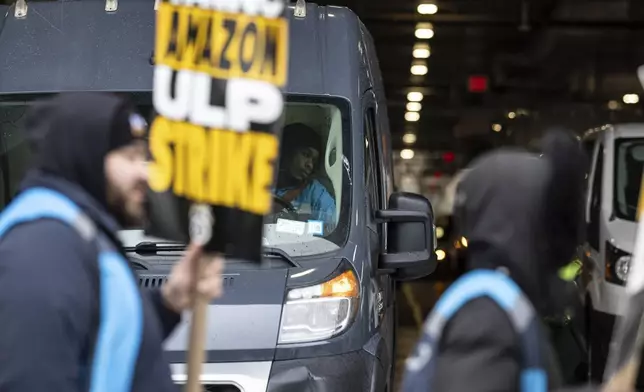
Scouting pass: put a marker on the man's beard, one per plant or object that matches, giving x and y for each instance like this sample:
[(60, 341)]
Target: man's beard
[(127, 219)]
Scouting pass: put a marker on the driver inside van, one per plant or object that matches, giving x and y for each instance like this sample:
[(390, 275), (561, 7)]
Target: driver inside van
[(297, 187)]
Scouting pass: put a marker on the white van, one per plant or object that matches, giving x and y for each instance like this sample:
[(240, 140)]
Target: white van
[(614, 178)]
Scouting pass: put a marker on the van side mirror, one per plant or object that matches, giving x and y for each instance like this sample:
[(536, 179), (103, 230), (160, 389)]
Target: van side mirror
[(411, 237)]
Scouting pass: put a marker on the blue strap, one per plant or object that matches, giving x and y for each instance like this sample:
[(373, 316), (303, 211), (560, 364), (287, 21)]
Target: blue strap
[(121, 315), (505, 292), (478, 283), (119, 334), (38, 203)]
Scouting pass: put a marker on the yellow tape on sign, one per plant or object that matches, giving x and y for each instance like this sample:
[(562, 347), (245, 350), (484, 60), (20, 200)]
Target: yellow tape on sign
[(222, 45), (221, 167)]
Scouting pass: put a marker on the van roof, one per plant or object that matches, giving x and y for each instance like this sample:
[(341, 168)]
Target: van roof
[(626, 130), (76, 46)]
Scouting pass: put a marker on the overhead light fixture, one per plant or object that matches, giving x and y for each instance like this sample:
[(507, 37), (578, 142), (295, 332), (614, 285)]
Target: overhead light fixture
[(427, 9), (512, 115), (409, 138), (424, 31), (418, 68), (421, 51), (497, 127), (415, 96), (407, 153), (613, 105), (412, 116), (631, 99), (414, 106)]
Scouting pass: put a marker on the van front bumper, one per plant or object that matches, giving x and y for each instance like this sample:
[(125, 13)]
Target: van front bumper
[(357, 371), (351, 372)]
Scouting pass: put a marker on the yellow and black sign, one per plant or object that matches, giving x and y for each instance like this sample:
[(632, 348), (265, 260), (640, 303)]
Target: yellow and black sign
[(223, 45), (229, 171), (213, 166)]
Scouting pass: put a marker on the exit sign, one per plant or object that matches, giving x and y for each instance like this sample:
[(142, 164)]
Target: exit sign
[(477, 84)]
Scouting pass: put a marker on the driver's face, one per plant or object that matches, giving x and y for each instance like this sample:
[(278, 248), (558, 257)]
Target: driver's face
[(304, 162)]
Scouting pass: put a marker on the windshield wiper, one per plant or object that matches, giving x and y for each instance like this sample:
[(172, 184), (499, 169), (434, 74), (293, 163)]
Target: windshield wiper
[(146, 248), (266, 251)]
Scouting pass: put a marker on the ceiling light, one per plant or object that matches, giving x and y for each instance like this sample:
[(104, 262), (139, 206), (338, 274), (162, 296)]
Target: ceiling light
[(415, 96), (512, 115), (414, 106), (421, 51), (497, 127), (407, 154), (424, 31), (427, 9), (613, 105), (412, 116), (418, 68), (409, 138), (631, 98)]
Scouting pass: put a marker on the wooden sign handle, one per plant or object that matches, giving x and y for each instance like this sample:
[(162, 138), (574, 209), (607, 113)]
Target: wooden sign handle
[(196, 352)]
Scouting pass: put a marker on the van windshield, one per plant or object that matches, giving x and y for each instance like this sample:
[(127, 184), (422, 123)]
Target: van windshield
[(311, 208), (629, 163)]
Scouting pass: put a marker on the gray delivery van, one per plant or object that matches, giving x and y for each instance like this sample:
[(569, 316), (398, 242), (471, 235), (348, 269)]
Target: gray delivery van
[(319, 313)]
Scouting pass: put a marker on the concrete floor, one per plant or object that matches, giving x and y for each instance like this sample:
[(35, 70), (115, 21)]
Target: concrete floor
[(415, 300)]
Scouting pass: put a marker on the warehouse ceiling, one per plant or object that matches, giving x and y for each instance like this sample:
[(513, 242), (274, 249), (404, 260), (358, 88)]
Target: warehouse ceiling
[(546, 62)]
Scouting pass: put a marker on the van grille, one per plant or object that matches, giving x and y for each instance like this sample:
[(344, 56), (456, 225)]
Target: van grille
[(152, 281)]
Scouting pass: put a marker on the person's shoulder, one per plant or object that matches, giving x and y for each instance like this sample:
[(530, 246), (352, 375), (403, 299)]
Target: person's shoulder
[(49, 263), (481, 320), (317, 185), (314, 183), (44, 241)]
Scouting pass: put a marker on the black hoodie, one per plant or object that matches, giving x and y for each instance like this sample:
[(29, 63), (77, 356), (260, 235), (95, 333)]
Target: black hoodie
[(49, 302), (520, 212)]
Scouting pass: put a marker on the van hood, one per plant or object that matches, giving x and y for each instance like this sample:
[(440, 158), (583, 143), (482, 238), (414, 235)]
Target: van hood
[(243, 325)]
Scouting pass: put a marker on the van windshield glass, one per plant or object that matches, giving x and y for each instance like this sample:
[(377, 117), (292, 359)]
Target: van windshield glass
[(629, 163), (311, 207)]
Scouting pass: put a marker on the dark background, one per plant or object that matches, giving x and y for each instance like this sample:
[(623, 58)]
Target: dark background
[(550, 62)]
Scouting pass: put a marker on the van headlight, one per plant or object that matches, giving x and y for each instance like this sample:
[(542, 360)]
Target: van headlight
[(320, 312), (622, 265), (618, 264)]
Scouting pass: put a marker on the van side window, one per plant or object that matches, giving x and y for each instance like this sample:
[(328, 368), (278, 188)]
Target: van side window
[(596, 201), (372, 169)]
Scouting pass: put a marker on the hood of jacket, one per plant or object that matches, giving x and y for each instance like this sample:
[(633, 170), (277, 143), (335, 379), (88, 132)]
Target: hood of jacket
[(521, 211), (72, 133)]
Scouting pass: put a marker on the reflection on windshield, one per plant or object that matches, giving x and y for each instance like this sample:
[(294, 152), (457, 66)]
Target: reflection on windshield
[(311, 197), (629, 163)]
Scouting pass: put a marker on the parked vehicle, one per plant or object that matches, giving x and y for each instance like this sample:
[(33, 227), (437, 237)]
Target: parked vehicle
[(614, 178), (320, 312)]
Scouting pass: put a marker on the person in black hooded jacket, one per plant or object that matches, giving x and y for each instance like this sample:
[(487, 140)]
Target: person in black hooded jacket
[(520, 213), (89, 148)]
